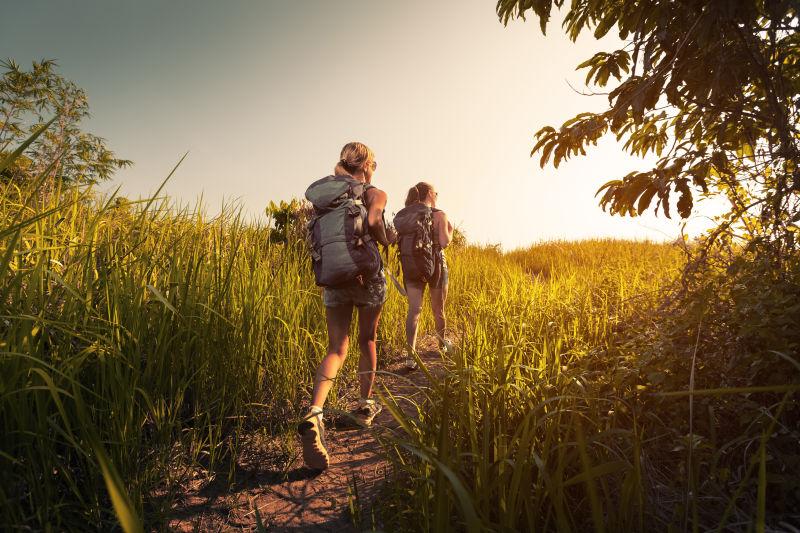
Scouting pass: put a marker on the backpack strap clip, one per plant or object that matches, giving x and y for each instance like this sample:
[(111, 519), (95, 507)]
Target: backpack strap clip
[(361, 240), (358, 228)]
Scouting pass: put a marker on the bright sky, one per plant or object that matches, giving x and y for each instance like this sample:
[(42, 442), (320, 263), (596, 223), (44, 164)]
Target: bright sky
[(264, 94)]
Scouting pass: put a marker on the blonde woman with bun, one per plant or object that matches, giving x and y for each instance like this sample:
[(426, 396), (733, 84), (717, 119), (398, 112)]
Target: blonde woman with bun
[(349, 267)]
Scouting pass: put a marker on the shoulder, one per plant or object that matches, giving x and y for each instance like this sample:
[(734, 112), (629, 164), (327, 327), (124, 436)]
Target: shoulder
[(439, 220), (374, 194)]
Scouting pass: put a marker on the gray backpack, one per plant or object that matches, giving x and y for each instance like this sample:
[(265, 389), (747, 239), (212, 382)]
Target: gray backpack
[(414, 225), (342, 250)]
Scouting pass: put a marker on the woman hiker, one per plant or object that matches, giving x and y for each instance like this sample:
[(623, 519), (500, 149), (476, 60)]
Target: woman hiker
[(424, 233), (345, 231)]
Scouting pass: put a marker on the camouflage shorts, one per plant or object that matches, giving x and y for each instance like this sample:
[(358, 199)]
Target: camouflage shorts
[(371, 294)]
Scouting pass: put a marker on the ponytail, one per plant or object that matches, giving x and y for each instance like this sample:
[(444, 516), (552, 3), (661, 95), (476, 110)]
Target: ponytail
[(418, 193)]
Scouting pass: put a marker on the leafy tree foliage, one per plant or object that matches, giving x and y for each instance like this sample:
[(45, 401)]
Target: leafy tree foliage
[(712, 87), (28, 98), (288, 220)]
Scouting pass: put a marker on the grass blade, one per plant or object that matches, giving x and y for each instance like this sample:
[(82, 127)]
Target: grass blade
[(4, 164)]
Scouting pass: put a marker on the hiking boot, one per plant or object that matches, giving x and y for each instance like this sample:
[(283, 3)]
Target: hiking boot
[(445, 347), (365, 412), (312, 439), (410, 363)]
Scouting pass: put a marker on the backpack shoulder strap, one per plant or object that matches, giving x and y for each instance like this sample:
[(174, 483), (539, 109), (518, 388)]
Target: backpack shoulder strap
[(364, 187)]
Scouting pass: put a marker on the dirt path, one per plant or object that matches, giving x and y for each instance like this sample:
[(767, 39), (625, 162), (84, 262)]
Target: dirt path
[(298, 499)]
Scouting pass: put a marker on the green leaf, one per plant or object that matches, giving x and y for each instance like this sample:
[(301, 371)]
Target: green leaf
[(606, 185), (597, 471), (645, 199), (761, 504), (604, 26), (123, 507), (462, 495), (685, 200), (22, 147), (160, 297)]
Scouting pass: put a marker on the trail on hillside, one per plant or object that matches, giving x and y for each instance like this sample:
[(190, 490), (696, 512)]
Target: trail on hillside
[(299, 499)]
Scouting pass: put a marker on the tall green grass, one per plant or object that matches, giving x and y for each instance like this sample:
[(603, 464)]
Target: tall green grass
[(522, 432), (138, 338), (547, 419)]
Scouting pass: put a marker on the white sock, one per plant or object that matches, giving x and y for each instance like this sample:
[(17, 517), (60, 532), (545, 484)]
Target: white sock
[(316, 410)]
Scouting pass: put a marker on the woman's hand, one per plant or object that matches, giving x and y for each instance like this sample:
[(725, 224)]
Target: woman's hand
[(376, 200), (391, 234)]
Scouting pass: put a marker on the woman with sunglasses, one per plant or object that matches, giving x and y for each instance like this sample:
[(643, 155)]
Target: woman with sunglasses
[(366, 293), (425, 233)]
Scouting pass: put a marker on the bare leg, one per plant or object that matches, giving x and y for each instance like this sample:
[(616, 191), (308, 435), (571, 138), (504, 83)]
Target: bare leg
[(415, 294), (338, 320), (367, 335), (438, 297)]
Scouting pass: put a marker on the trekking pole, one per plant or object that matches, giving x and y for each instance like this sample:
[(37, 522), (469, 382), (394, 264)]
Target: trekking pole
[(397, 284)]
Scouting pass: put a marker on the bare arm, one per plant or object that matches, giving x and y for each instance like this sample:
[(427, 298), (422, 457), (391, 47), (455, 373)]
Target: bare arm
[(376, 199), (444, 229)]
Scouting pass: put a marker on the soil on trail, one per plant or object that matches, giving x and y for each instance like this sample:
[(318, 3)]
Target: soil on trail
[(299, 499)]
